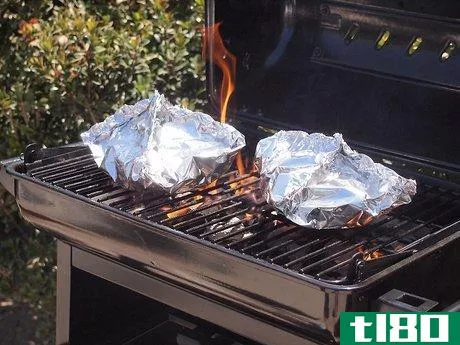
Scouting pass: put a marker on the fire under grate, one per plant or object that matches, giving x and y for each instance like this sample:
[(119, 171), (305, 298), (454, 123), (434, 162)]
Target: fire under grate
[(230, 213)]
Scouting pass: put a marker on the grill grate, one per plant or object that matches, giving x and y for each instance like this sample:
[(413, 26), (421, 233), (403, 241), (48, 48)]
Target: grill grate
[(229, 213)]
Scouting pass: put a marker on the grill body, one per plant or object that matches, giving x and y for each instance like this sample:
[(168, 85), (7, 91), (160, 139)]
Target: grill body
[(239, 279)]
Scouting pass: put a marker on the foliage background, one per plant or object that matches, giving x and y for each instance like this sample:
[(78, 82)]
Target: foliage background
[(63, 66)]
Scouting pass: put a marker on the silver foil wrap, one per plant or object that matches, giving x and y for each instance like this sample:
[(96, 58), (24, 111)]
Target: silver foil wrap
[(155, 144), (319, 182)]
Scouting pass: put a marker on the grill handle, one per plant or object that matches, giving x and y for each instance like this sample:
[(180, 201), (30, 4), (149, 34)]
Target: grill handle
[(400, 301)]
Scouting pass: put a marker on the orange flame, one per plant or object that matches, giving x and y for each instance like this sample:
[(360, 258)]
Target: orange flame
[(240, 164), (226, 61)]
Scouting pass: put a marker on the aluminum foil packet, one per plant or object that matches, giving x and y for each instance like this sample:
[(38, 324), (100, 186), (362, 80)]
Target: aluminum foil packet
[(318, 181), (155, 144)]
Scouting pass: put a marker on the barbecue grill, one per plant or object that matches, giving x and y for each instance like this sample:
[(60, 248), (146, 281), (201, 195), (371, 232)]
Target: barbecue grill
[(216, 265)]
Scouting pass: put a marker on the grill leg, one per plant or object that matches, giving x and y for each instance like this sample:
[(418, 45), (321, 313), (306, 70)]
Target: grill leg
[(64, 268)]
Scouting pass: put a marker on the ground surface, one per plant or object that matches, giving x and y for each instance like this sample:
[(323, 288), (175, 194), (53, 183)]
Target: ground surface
[(17, 324)]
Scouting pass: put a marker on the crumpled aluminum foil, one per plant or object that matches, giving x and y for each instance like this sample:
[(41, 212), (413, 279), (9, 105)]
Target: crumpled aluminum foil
[(155, 144), (319, 182)]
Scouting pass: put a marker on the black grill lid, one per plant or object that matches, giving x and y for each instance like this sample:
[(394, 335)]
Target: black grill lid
[(384, 73)]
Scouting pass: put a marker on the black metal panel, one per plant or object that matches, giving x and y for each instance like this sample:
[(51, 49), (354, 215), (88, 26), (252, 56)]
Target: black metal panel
[(327, 66), (166, 296), (63, 286)]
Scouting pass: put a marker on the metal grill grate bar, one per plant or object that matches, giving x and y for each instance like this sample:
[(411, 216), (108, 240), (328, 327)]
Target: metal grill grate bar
[(262, 242), (394, 239), (79, 156), (307, 268), (59, 168), (154, 211), (84, 186), (246, 229), (198, 228), (225, 213), (53, 176), (313, 243), (85, 178), (194, 211), (406, 233)]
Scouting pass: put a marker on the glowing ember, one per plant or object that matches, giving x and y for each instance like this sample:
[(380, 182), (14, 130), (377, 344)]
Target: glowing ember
[(182, 211), (244, 186), (360, 219), (179, 213), (374, 255), (212, 194), (165, 208), (210, 186), (398, 247), (367, 256)]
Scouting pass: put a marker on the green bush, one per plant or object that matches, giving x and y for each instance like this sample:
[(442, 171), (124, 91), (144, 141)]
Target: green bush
[(63, 66)]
